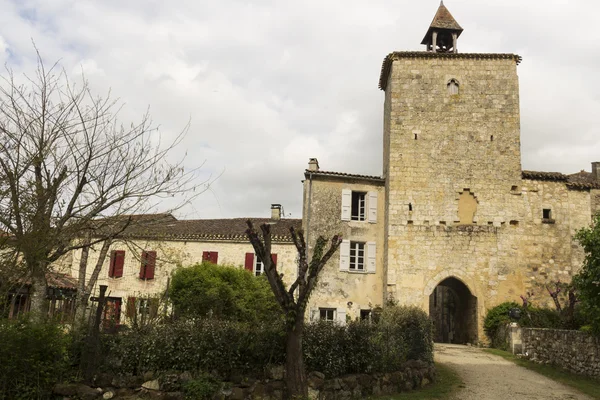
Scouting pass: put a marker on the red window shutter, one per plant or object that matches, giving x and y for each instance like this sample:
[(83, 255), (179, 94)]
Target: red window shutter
[(214, 256), (205, 256), (143, 260), (249, 264), (274, 258), (111, 267), (131, 307), (150, 264), (119, 262)]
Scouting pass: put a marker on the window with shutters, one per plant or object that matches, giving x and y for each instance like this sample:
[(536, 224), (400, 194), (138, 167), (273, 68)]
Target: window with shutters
[(327, 314), (210, 256), (357, 256), (255, 265), (359, 206), (111, 318), (117, 260), (453, 86), (148, 265)]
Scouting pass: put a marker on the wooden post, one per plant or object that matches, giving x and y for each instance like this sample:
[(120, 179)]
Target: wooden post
[(434, 45), (454, 42)]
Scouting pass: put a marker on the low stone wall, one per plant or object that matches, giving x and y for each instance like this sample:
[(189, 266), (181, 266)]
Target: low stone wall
[(574, 351), (413, 375)]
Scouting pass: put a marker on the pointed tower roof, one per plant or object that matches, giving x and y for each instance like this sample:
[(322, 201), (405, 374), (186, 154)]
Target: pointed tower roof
[(443, 20)]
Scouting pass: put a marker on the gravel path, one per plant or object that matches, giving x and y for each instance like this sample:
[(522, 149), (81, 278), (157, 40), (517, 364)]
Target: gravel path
[(490, 377)]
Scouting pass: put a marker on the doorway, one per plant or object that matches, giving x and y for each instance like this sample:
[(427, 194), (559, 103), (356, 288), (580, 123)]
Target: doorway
[(453, 309)]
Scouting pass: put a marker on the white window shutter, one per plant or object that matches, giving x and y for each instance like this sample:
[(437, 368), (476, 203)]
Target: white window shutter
[(344, 255), (346, 204), (341, 316), (371, 257), (372, 207), (313, 314)]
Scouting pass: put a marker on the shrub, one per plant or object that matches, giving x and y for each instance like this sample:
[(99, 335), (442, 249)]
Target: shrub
[(401, 334), (202, 388), (223, 292), (495, 321), (587, 280), (211, 345), (34, 357)]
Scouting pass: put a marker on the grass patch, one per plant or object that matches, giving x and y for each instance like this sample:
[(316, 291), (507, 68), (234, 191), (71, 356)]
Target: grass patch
[(584, 384), (447, 383)]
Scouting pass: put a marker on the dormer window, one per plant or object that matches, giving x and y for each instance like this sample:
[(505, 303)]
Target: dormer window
[(453, 86)]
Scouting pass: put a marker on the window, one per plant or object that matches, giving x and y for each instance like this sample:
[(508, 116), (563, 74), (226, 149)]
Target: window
[(357, 256), (210, 256), (112, 313), (547, 213), (547, 217), (117, 260), (253, 264), (453, 86), (359, 206), (148, 263), (327, 314), (259, 268), (365, 315)]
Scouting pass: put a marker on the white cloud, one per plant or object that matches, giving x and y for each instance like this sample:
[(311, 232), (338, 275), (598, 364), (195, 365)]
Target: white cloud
[(268, 84)]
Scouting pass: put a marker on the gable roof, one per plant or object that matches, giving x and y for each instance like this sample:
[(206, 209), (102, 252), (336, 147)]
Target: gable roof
[(442, 20), (343, 175), (230, 229)]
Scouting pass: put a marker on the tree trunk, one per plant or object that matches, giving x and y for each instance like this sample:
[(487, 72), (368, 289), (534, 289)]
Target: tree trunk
[(37, 293), (82, 295), (295, 374)]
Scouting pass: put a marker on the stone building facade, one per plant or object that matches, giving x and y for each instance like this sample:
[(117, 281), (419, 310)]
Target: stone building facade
[(459, 226), (138, 267)]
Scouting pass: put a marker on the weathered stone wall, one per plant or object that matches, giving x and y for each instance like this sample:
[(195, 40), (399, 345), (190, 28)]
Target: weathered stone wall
[(171, 254), (413, 375), (345, 291), (574, 351), (441, 148)]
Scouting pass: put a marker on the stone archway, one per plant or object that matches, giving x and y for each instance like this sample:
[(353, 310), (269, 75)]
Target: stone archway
[(453, 309)]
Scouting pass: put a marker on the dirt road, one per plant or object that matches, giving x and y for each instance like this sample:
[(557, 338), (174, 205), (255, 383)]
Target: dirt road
[(489, 377)]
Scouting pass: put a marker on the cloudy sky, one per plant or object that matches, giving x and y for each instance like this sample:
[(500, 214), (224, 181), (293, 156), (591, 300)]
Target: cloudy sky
[(269, 83)]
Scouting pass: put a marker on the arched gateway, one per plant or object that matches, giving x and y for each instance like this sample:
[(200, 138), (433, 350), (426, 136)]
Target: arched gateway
[(453, 309)]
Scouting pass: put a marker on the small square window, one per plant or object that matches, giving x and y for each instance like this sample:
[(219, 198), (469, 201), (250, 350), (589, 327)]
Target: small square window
[(547, 213), (359, 206), (365, 315), (327, 314)]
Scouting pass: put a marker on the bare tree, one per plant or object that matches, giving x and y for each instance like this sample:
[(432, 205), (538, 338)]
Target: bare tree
[(65, 161), (293, 301)]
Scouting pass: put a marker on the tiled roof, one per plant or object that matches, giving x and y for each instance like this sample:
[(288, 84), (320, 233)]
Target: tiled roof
[(578, 181), (233, 229), (56, 280), (443, 20), (389, 59), (344, 175), (544, 176)]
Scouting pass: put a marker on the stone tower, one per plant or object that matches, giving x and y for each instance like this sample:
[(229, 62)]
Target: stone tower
[(451, 155)]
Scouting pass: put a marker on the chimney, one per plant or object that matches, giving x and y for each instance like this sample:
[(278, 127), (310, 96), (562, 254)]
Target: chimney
[(596, 170), (313, 164), (276, 212)]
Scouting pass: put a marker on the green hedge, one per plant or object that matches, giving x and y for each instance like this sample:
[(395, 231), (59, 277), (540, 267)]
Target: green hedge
[(226, 347), (33, 357)]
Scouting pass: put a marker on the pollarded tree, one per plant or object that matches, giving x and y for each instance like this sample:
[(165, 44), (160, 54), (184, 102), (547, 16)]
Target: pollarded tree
[(293, 300), (66, 161), (587, 280)]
